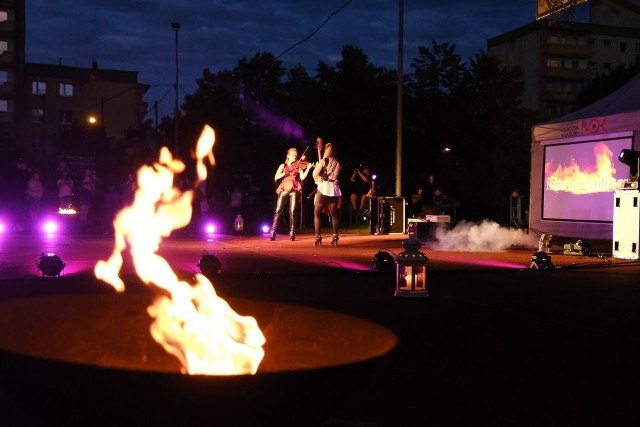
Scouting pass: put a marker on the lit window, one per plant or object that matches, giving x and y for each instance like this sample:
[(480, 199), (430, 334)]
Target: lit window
[(66, 89), (37, 115), (4, 77), (4, 46), (553, 63), (38, 88), (4, 17), (4, 106)]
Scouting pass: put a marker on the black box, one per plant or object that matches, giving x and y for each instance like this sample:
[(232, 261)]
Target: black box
[(424, 229), (387, 215)]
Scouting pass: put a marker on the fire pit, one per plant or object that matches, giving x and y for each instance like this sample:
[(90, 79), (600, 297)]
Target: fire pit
[(89, 359)]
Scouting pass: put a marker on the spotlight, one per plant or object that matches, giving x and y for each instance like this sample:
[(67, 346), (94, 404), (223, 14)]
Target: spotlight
[(50, 265), (541, 261), (209, 265), (383, 261), (50, 227), (631, 158)]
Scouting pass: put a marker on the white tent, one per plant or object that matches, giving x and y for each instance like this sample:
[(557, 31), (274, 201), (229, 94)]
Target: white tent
[(575, 168)]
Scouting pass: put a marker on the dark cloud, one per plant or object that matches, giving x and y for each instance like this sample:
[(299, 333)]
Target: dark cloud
[(136, 35)]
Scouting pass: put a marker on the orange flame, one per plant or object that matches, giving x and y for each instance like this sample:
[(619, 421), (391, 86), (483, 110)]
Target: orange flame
[(573, 179), (192, 322)]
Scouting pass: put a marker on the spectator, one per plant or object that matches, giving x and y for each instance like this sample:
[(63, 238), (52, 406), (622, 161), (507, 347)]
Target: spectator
[(35, 193), (362, 188), (85, 198), (128, 190), (65, 190)]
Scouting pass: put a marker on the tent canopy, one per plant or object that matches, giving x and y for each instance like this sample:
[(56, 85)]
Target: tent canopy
[(613, 118)]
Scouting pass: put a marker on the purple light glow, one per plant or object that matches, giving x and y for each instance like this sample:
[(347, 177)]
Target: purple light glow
[(49, 227)]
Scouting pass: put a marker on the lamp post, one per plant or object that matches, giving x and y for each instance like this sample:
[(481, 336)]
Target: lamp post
[(399, 96), (176, 29)]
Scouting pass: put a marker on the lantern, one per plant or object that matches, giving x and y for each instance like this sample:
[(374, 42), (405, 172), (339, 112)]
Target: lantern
[(238, 223), (411, 270)]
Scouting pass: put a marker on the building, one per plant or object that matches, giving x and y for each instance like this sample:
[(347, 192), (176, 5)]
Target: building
[(41, 104), (558, 57)]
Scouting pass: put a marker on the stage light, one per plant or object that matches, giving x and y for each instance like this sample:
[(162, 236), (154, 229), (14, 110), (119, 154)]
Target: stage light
[(541, 261), (50, 227), (209, 265), (210, 228), (50, 264), (265, 228), (383, 261), (631, 158), (411, 270)]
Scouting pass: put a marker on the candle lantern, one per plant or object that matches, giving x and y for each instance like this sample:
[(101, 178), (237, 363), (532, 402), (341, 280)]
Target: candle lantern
[(411, 270), (238, 223)]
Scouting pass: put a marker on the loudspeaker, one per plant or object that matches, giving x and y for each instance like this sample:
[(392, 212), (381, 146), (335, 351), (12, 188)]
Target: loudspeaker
[(387, 215)]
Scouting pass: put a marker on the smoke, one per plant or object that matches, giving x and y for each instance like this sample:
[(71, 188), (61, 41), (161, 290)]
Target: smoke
[(486, 236)]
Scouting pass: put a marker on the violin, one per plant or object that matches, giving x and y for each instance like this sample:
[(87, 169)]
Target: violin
[(302, 164)]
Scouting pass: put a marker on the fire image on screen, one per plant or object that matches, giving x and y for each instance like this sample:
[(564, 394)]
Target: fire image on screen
[(580, 178)]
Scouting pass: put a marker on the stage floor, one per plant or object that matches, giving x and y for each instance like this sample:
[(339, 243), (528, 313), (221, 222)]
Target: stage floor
[(495, 343)]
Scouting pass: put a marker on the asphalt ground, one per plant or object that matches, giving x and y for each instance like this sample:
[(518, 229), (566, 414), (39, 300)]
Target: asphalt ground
[(496, 342)]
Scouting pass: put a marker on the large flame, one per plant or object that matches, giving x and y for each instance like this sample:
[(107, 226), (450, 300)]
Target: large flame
[(574, 179), (191, 322)]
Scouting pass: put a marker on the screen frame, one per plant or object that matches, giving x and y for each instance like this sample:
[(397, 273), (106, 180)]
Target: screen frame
[(599, 201)]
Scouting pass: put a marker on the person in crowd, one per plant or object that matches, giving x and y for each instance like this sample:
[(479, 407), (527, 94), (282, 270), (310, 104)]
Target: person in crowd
[(97, 191), (363, 189), (128, 190), (361, 186), (327, 198), (65, 190), (13, 187), (85, 197), (289, 177), (35, 193), (112, 202), (424, 198)]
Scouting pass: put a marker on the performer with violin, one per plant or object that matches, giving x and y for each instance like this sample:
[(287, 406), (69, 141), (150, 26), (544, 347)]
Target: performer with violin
[(291, 173), (328, 196)]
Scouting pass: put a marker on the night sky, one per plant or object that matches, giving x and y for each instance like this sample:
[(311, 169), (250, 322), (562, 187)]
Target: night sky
[(137, 35)]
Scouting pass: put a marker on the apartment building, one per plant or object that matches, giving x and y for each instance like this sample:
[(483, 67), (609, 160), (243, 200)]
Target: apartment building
[(40, 103), (559, 57)]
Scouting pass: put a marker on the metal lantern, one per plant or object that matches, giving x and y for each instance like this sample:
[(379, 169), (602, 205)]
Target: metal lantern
[(411, 270), (238, 223)]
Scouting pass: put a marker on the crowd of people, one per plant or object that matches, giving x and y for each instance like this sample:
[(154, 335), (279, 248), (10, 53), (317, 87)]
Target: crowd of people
[(28, 194)]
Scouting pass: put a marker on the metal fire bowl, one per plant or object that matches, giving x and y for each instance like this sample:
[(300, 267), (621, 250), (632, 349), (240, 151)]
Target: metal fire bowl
[(90, 359)]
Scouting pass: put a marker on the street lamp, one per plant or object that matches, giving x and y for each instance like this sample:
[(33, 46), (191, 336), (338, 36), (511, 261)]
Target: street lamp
[(176, 29)]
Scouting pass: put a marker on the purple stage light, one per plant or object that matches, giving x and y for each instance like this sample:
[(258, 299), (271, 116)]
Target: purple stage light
[(50, 226)]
